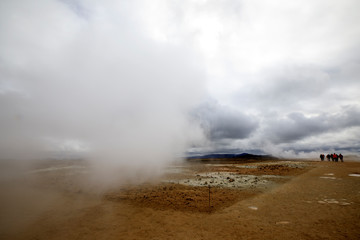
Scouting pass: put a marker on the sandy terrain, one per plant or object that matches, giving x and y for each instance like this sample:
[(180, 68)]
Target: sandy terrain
[(258, 200)]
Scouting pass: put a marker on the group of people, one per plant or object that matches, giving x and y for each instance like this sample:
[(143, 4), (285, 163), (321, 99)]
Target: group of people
[(334, 157)]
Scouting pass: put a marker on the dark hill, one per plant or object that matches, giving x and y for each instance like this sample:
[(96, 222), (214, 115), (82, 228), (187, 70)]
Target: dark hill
[(228, 156)]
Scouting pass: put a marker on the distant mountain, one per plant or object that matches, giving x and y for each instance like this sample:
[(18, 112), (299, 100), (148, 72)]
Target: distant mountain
[(217, 156)]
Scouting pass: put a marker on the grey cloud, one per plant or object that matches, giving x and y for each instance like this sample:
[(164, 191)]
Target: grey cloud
[(287, 87), (221, 122), (297, 126)]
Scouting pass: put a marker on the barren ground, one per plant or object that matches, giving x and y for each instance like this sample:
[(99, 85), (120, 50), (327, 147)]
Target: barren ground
[(257, 200)]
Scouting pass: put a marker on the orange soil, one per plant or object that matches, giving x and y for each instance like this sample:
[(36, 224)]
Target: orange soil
[(308, 206)]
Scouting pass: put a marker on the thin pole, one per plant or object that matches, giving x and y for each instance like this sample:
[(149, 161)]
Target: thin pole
[(209, 198)]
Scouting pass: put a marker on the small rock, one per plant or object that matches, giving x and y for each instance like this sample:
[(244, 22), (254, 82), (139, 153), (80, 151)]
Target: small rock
[(344, 204), (354, 175), (282, 222)]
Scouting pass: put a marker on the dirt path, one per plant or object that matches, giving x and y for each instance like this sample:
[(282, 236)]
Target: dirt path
[(323, 203)]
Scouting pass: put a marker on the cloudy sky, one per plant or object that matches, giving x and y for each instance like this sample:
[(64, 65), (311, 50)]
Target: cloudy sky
[(130, 79)]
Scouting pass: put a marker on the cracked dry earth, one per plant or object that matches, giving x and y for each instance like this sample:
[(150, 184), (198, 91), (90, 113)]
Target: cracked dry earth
[(263, 200)]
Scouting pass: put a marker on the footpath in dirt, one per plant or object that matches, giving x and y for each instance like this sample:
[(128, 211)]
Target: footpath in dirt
[(323, 203)]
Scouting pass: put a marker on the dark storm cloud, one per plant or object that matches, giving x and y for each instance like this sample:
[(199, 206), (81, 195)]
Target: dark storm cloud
[(294, 68), (298, 104), (221, 122), (297, 126)]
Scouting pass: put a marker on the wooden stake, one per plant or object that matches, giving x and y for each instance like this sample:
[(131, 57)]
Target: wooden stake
[(209, 199)]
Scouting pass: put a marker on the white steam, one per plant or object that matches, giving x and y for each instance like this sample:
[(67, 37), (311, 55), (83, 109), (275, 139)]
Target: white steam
[(82, 78)]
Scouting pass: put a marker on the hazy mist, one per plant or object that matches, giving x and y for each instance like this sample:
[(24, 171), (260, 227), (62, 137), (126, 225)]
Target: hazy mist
[(93, 86)]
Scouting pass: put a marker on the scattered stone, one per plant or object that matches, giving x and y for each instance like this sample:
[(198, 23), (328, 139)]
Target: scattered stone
[(253, 208), (344, 204), (282, 222), (328, 177), (354, 175)]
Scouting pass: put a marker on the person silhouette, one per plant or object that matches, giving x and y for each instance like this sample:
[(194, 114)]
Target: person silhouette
[(341, 157)]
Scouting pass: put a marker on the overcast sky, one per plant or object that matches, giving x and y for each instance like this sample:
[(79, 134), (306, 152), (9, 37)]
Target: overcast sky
[(123, 77)]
